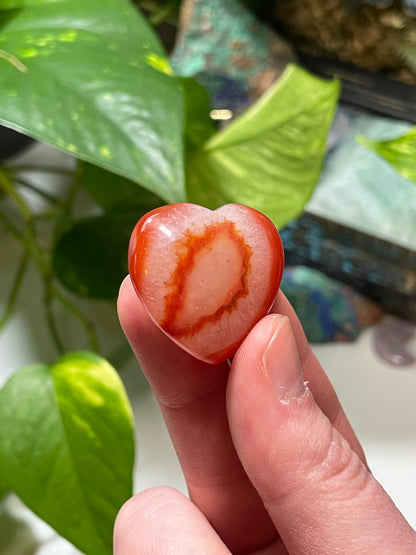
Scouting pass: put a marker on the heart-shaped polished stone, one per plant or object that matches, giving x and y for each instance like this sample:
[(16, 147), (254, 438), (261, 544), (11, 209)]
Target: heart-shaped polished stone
[(206, 277)]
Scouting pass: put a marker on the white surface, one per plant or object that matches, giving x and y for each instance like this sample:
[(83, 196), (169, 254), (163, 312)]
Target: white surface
[(378, 398)]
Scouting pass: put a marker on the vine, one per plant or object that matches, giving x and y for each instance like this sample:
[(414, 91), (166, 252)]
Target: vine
[(26, 234)]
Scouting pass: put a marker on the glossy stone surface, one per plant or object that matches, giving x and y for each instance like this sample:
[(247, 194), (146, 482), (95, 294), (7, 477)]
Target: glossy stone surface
[(206, 277)]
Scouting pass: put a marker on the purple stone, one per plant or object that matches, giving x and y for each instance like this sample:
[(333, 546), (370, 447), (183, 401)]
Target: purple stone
[(390, 342)]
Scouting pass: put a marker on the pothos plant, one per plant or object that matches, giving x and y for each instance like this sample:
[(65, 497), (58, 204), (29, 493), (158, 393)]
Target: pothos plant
[(91, 78)]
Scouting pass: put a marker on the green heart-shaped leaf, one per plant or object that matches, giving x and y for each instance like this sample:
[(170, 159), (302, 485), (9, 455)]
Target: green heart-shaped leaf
[(199, 127), (90, 259), (67, 447), (91, 78), (270, 157), (115, 193)]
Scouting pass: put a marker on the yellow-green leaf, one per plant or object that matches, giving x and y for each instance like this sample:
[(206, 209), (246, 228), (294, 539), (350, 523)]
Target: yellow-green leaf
[(67, 448), (270, 157), (399, 152)]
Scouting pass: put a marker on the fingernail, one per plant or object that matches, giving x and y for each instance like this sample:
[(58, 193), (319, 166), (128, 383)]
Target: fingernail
[(282, 364)]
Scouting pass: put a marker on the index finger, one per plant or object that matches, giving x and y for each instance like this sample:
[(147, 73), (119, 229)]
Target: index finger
[(191, 395)]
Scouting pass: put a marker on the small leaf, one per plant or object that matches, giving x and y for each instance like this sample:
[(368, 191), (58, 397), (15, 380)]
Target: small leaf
[(270, 157), (115, 193), (81, 75), (90, 259), (67, 447), (399, 153)]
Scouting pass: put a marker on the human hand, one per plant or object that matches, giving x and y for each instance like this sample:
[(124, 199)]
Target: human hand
[(271, 464)]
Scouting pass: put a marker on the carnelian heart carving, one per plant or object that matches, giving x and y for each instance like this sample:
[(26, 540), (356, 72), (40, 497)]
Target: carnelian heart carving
[(206, 277)]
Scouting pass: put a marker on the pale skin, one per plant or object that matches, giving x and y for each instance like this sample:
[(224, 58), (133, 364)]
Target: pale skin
[(272, 465)]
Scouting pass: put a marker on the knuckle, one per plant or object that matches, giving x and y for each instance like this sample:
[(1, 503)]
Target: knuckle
[(337, 469)]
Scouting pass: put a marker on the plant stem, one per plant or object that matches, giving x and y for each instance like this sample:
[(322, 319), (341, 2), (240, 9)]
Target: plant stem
[(67, 206), (7, 186), (41, 169), (47, 196), (72, 309), (14, 291), (51, 214), (29, 237), (33, 250), (50, 318), (76, 184), (11, 228), (161, 14)]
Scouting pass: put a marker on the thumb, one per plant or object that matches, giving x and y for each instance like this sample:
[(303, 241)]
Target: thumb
[(316, 489)]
